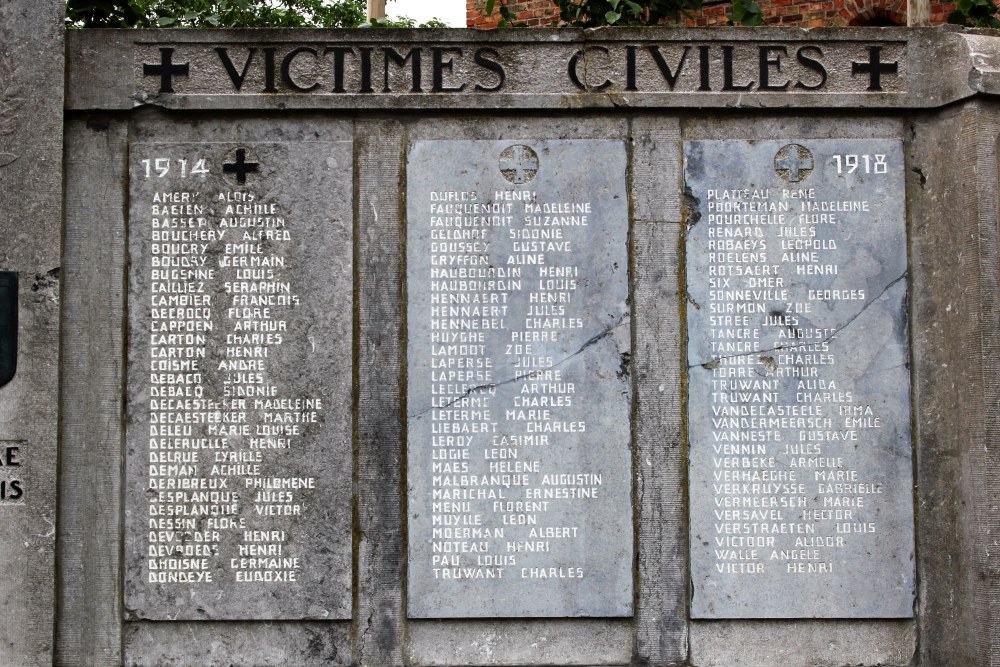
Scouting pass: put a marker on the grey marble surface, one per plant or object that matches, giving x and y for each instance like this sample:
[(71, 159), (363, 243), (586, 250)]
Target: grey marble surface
[(253, 364), (799, 407), (518, 398)]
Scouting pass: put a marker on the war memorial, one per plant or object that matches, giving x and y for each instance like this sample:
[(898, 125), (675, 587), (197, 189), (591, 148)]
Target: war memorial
[(526, 347)]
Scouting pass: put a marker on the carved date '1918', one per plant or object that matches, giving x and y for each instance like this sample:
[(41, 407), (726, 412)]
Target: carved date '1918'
[(848, 164)]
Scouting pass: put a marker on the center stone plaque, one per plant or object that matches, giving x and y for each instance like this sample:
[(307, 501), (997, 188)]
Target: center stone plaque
[(798, 404), (238, 463), (518, 455)]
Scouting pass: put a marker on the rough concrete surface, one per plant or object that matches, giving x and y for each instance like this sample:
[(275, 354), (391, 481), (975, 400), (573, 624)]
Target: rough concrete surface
[(31, 94)]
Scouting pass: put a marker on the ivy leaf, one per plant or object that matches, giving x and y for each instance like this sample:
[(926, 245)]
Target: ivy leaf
[(612, 17), (746, 13), (614, 4), (489, 7), (636, 9)]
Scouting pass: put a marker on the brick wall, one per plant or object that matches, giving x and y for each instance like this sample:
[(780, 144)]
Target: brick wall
[(802, 13), (533, 13)]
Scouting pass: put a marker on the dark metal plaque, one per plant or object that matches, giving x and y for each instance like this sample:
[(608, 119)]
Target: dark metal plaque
[(8, 326)]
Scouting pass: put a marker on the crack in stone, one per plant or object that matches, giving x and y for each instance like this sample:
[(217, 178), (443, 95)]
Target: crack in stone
[(364, 635), (362, 642), (493, 385), (714, 363)]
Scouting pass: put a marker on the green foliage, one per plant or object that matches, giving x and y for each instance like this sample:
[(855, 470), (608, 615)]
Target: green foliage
[(507, 17), (227, 14), (624, 12), (406, 22), (746, 13), (101, 14), (975, 13), (593, 13)]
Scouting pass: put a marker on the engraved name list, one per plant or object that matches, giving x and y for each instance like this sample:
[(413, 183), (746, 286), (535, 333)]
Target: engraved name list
[(518, 402), (234, 440), (799, 417)]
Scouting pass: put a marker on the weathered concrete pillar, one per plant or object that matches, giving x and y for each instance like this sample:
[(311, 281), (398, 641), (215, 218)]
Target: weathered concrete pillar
[(31, 102)]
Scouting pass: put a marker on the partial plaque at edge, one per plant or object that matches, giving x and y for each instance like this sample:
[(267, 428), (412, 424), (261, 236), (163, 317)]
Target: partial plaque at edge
[(799, 408), (519, 455), (238, 463)]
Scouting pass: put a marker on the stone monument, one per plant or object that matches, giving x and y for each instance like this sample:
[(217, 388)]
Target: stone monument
[(615, 347)]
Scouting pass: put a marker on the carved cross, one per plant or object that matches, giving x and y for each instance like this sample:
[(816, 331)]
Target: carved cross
[(874, 68), (241, 167), (166, 70), (794, 164), (521, 163)]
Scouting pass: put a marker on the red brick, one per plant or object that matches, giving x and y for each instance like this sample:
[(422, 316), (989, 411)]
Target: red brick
[(805, 13)]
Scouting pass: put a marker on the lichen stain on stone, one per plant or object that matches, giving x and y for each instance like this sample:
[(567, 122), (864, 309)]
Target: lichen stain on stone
[(691, 208), (319, 648), (45, 286), (769, 363), (626, 362), (46, 281)]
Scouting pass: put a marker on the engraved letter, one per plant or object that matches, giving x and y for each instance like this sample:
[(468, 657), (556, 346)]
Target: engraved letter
[(491, 65), (286, 69), (440, 65), (575, 77), (236, 77), (813, 64)]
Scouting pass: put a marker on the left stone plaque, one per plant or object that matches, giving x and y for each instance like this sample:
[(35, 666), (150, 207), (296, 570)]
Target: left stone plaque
[(238, 461)]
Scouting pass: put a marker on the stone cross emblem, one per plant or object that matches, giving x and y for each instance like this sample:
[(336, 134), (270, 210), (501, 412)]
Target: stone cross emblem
[(518, 164), (793, 163), (241, 167), (166, 70), (874, 68)]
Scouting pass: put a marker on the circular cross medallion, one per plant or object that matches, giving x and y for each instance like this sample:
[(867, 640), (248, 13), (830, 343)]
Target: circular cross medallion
[(518, 164), (793, 163)]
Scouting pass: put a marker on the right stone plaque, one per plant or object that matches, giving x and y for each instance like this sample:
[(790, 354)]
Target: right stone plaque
[(798, 384)]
